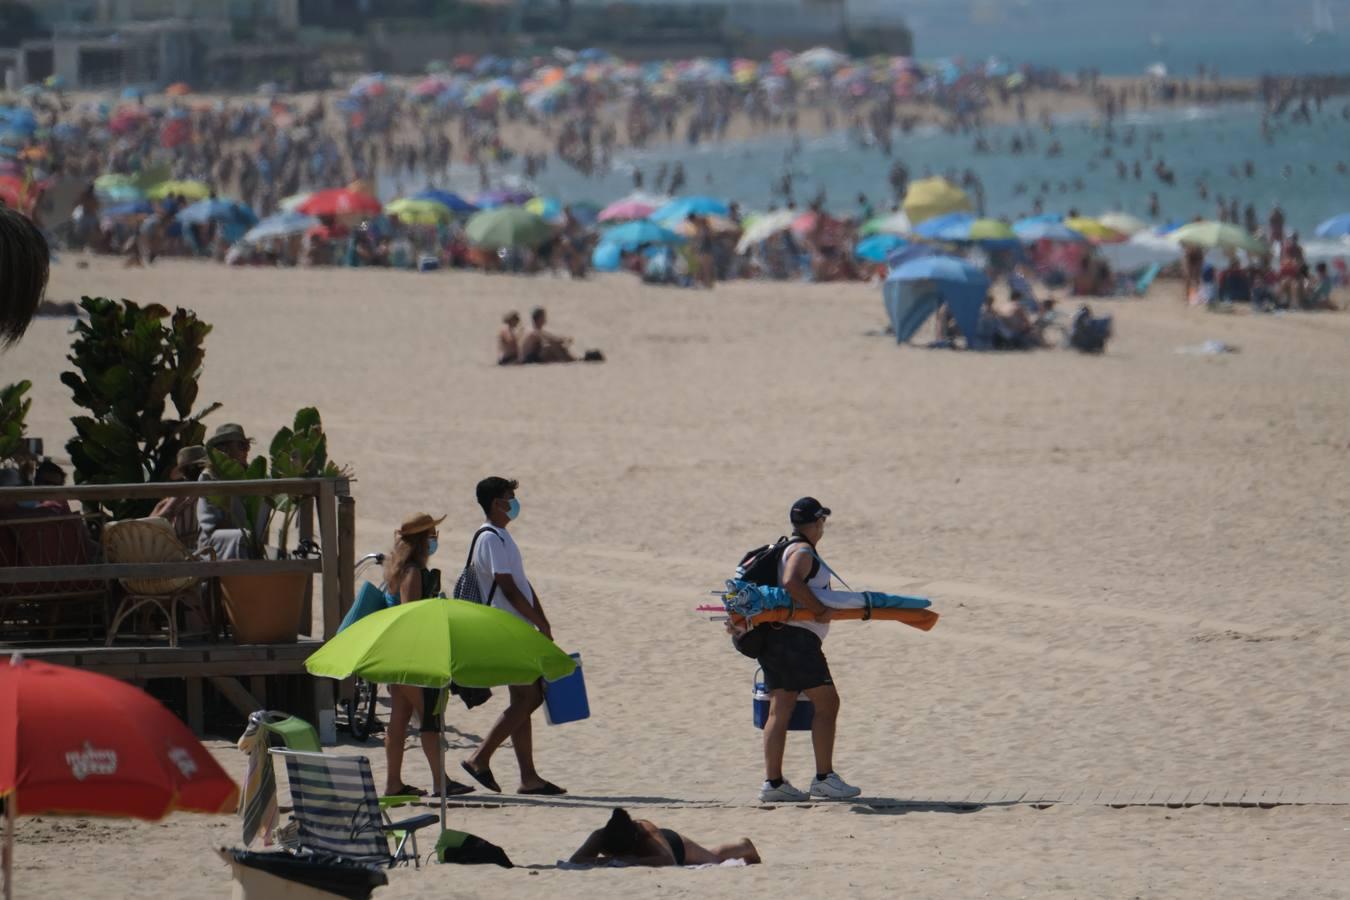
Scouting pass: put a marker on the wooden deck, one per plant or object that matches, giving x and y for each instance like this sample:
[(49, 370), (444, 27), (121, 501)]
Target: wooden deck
[(241, 674)]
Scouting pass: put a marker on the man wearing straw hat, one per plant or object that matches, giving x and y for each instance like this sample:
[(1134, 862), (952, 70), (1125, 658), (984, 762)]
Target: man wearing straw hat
[(219, 528)]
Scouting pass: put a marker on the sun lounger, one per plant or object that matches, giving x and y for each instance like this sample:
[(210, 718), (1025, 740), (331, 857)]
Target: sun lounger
[(337, 810)]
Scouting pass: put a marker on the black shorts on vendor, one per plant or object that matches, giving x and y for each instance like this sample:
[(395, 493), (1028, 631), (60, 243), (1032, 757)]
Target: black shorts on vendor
[(793, 660)]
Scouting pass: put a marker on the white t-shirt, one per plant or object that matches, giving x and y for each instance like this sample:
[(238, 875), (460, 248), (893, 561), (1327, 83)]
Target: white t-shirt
[(497, 554), (821, 580)]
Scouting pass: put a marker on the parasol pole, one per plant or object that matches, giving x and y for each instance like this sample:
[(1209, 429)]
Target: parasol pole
[(9, 846), (440, 746)]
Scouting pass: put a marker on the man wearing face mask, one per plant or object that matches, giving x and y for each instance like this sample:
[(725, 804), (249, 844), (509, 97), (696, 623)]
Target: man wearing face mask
[(500, 571)]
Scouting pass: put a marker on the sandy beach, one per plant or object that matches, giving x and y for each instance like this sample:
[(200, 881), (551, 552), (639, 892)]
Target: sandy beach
[(1138, 559)]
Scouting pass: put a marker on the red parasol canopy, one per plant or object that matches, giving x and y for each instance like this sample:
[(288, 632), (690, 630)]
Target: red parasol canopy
[(76, 742), (340, 202)]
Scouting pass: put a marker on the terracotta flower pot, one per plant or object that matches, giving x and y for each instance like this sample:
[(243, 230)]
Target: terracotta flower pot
[(264, 609)]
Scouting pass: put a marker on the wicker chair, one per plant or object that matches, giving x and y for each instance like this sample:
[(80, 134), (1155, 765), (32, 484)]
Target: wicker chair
[(150, 540)]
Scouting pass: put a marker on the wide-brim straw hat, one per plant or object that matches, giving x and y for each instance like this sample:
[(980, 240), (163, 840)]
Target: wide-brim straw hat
[(418, 524), (226, 433), (194, 455)]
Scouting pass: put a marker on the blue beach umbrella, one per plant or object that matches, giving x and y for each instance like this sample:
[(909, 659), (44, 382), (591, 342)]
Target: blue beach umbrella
[(632, 235), (914, 291), (1031, 232), (933, 229), (283, 224), (454, 202), (684, 207), (128, 209), (1335, 227), (217, 210), (606, 257), (878, 247)]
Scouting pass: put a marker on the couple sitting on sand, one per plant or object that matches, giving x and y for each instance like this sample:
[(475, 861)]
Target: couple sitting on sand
[(538, 346)]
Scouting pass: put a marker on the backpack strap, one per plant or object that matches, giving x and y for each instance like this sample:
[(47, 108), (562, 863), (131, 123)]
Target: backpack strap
[(468, 561), (798, 539)]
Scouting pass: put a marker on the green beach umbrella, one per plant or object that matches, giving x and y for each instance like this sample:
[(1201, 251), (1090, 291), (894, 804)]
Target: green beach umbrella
[(192, 190), (991, 230), (430, 643), (1218, 234), (507, 226), (433, 642), (420, 212)]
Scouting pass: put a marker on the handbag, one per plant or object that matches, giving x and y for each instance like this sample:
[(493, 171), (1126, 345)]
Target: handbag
[(466, 585)]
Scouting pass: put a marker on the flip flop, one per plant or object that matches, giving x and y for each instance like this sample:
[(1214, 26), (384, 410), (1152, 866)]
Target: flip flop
[(454, 789), (407, 790), (482, 776), (547, 789)]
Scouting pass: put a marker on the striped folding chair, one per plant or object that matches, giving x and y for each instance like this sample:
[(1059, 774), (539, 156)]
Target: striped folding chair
[(337, 810)]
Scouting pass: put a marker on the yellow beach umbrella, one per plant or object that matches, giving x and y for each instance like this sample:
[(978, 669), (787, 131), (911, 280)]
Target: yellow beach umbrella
[(1094, 230), (420, 212), (931, 197), (192, 190), (1125, 223)]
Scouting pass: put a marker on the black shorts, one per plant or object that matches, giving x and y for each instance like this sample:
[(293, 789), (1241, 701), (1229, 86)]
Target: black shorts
[(793, 660), (431, 721)]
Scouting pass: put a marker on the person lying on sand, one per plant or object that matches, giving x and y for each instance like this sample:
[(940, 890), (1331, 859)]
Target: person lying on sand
[(638, 842), (540, 346)]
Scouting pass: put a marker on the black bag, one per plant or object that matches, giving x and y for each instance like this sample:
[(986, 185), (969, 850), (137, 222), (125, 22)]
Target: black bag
[(466, 585), (762, 566), (469, 849)]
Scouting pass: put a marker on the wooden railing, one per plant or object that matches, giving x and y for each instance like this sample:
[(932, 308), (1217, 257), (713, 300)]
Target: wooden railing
[(329, 497)]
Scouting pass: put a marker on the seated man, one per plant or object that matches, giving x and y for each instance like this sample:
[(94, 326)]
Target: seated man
[(181, 512), (1318, 295), (539, 346), (220, 530)]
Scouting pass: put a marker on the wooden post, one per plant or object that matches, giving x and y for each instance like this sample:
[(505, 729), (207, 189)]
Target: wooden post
[(306, 533), (346, 555), (328, 538)]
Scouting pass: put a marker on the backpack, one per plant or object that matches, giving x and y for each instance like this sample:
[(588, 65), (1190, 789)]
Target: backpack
[(466, 585), (763, 566)]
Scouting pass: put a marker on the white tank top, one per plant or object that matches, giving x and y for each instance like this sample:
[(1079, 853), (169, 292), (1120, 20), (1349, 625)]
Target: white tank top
[(820, 580)]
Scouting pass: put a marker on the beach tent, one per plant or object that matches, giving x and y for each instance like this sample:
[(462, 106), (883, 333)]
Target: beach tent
[(931, 197), (913, 291)]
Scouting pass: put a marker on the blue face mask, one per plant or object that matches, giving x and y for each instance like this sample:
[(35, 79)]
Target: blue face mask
[(431, 546), (514, 508)]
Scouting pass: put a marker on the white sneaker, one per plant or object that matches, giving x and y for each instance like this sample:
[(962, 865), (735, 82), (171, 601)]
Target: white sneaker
[(833, 788), (784, 793)]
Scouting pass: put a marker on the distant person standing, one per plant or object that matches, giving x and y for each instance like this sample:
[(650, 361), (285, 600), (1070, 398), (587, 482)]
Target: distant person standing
[(794, 663), (1275, 225), (496, 562)]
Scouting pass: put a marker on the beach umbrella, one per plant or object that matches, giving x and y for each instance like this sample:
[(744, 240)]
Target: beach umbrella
[(1140, 251), (1335, 227), (683, 207), (765, 227), (585, 212), (915, 289), (291, 203), (716, 225), (931, 197), (501, 197), (624, 210), (453, 202), (507, 226), (192, 190), (545, 208), (1032, 231), (1123, 223), (982, 231), (178, 89), (340, 202), (217, 210), (74, 742), (419, 212), (1094, 230), (606, 257), (895, 223), (632, 235), (933, 229), (281, 225), (430, 643), (1218, 235), (879, 247)]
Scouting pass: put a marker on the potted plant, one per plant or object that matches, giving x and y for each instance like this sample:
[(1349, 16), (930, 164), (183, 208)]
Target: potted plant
[(265, 609)]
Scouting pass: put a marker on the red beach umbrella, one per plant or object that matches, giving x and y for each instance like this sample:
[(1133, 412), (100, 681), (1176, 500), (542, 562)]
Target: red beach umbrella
[(340, 202), (78, 743)]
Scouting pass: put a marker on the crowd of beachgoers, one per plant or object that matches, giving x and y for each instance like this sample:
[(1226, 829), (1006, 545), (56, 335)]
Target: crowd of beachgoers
[(291, 180)]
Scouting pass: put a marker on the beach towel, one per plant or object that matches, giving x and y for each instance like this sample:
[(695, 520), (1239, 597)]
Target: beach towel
[(258, 802)]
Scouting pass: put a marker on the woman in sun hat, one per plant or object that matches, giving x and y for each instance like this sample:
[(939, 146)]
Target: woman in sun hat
[(407, 580)]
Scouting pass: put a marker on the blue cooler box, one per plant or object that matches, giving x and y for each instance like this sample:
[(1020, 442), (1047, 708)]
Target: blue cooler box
[(802, 716), (565, 699)]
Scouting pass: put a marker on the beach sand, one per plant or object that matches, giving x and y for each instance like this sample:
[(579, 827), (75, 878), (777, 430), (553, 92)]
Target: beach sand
[(1138, 559)]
